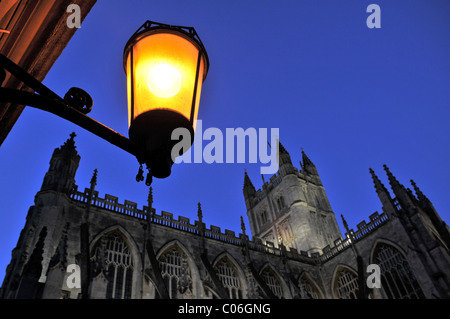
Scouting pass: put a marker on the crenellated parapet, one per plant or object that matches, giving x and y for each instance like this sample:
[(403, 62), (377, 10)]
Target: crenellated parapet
[(166, 219), (110, 203), (351, 237)]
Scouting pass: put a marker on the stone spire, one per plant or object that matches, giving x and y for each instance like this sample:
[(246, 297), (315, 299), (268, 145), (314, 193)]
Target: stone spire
[(395, 184), (399, 190), (428, 207), (94, 179), (69, 145), (308, 166), (284, 161), (285, 157), (199, 212), (243, 226), (383, 195), (419, 193), (344, 222), (63, 166), (150, 201), (249, 190)]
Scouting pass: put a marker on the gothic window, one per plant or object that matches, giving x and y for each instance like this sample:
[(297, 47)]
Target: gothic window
[(275, 205), (317, 220), (285, 234), (346, 285), (263, 217), (280, 202), (118, 264), (397, 279), (318, 202), (308, 289), (272, 281), (227, 274), (176, 273)]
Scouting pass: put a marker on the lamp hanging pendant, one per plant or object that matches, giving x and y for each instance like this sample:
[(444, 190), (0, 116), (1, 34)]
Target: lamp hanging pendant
[(165, 67)]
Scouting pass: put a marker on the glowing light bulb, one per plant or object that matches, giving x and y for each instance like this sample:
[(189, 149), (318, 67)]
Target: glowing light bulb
[(164, 80)]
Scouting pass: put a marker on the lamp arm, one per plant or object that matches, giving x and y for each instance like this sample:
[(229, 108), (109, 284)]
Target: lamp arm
[(22, 75), (69, 113), (74, 107)]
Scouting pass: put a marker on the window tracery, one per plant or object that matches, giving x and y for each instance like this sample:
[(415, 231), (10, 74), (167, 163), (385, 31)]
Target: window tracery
[(112, 255), (272, 281), (346, 284), (397, 279), (229, 278), (307, 289), (176, 273)]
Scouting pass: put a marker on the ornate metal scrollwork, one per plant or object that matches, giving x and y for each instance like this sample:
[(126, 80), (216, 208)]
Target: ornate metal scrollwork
[(140, 174), (79, 99)]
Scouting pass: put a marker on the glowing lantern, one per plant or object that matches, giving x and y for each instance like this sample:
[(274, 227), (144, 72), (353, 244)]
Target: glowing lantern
[(165, 67)]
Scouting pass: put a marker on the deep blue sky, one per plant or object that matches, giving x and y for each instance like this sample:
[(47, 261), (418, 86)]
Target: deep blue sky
[(351, 96)]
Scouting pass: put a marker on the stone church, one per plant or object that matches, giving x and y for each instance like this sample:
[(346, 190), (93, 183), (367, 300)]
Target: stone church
[(76, 244)]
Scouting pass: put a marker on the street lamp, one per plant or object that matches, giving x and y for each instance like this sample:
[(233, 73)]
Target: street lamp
[(165, 67)]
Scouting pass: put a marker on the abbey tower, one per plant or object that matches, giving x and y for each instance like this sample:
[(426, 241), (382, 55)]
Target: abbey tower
[(292, 208)]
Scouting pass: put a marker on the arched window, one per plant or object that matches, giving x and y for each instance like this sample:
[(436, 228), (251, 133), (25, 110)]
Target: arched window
[(263, 217), (176, 273), (346, 285), (275, 205), (308, 289), (397, 279), (282, 203), (227, 274), (114, 254), (272, 281)]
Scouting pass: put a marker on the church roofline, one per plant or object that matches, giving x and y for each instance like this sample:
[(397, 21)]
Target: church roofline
[(129, 209)]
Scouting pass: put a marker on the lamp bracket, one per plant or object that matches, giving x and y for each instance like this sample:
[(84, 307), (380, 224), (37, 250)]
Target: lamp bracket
[(73, 107)]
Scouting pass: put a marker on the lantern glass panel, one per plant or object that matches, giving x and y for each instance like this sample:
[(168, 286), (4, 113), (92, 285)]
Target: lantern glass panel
[(161, 74)]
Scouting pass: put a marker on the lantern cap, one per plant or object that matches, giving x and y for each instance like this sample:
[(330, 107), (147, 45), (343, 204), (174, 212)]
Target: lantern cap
[(188, 33)]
